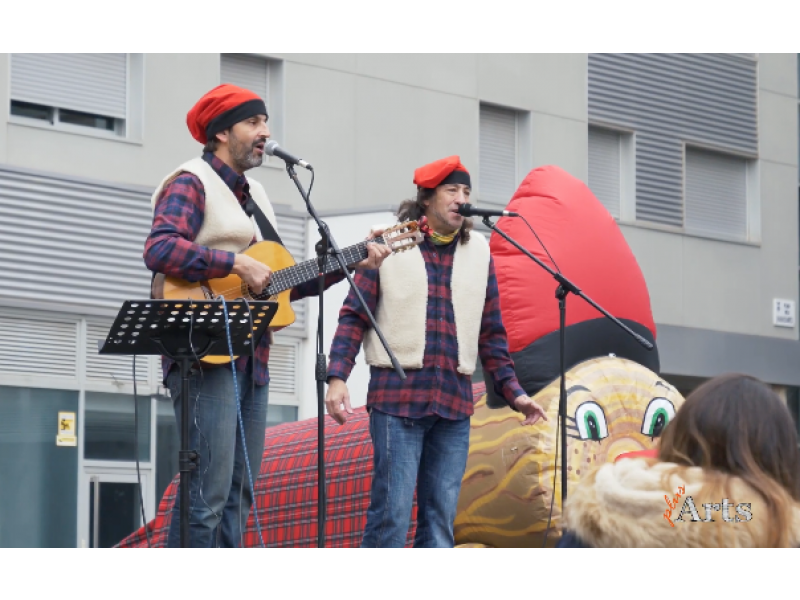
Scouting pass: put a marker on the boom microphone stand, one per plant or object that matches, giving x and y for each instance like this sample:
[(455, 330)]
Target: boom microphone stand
[(327, 250), (565, 286)]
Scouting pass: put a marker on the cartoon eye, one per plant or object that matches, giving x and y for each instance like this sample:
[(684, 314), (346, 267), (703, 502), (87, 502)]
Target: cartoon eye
[(591, 421), (659, 412)]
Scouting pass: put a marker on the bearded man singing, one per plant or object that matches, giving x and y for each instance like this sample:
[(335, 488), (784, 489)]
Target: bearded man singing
[(204, 215)]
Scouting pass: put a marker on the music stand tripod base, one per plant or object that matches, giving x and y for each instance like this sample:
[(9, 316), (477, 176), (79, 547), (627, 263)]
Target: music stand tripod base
[(186, 331)]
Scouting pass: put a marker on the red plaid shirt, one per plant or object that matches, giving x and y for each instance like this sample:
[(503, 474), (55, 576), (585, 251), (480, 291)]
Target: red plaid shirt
[(170, 247), (437, 388)]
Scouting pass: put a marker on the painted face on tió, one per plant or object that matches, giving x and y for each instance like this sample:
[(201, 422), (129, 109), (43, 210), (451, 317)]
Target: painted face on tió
[(614, 406), (607, 416)]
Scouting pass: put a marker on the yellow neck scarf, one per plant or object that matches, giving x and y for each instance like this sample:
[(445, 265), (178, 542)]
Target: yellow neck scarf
[(442, 240)]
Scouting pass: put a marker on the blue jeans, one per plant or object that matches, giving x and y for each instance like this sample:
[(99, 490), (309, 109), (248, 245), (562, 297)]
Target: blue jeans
[(428, 453), (220, 489)]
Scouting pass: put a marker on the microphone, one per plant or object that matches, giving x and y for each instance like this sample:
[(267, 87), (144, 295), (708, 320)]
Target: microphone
[(468, 210), (273, 149)]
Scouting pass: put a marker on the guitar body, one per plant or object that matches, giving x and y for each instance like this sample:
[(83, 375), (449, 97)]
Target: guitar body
[(232, 287), (286, 274)]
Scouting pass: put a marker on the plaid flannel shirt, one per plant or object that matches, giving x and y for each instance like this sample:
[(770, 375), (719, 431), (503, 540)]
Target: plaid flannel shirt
[(170, 248), (437, 388)]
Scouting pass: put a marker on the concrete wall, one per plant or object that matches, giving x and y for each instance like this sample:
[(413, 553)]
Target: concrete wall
[(347, 229)]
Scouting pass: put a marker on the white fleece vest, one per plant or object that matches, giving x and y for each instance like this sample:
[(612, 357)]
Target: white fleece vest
[(403, 303), (225, 224)]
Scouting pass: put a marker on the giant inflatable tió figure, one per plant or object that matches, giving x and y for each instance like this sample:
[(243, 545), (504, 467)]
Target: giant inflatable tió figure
[(616, 402)]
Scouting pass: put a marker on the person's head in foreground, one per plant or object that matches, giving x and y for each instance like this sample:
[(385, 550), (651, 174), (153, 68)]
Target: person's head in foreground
[(727, 475)]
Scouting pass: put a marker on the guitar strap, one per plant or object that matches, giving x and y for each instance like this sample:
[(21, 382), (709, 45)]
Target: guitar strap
[(268, 232)]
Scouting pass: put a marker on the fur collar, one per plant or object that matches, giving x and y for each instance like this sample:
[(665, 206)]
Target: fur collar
[(623, 505)]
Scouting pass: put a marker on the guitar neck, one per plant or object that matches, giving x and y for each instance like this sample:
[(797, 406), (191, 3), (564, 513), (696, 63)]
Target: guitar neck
[(306, 271)]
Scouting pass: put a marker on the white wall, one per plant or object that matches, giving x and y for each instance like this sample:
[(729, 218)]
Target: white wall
[(346, 230)]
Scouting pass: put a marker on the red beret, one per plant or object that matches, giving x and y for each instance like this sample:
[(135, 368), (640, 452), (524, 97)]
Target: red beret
[(221, 108), (446, 170)]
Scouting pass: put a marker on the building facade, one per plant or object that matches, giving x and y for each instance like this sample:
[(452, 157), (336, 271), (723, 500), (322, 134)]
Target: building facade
[(696, 156)]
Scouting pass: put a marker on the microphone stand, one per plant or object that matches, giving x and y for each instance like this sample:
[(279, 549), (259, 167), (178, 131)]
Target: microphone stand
[(565, 286), (327, 247)]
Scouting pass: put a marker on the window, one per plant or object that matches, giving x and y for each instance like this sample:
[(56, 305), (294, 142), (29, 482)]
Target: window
[(669, 100), (605, 168), (109, 427), (168, 443), (249, 72), (500, 149), (262, 76), (77, 91), (279, 413), (38, 484), (715, 194)]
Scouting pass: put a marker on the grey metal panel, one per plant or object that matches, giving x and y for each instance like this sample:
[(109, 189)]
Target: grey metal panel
[(77, 242), (246, 71), (92, 83), (706, 353), (716, 194), (292, 229), (283, 368), (669, 100), (498, 155), (605, 167), (38, 344)]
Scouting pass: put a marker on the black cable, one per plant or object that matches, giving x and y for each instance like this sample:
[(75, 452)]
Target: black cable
[(553, 496), (558, 421), (252, 397), (558, 428), (136, 450), (241, 420), (311, 186), (541, 243), (199, 430)]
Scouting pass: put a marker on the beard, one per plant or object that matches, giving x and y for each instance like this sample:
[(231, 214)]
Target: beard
[(244, 155), (445, 224)]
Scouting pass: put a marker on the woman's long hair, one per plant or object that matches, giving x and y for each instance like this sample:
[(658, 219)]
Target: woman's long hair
[(735, 425), (414, 208)]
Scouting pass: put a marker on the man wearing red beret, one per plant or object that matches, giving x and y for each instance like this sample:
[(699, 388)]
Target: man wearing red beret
[(203, 218), (439, 309)]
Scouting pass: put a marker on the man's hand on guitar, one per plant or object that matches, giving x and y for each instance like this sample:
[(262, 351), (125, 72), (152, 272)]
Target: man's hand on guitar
[(375, 253), (337, 400), (254, 273)]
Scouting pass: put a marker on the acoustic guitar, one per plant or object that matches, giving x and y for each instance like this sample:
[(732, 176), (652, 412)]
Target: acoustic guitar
[(286, 274)]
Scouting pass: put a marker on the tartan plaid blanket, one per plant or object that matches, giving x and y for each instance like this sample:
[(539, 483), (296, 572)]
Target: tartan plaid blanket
[(286, 487)]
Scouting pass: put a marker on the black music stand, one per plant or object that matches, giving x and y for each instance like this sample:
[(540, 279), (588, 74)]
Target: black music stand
[(186, 331)]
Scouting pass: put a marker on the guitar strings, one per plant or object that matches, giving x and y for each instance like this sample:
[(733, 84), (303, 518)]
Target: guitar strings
[(311, 263)]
